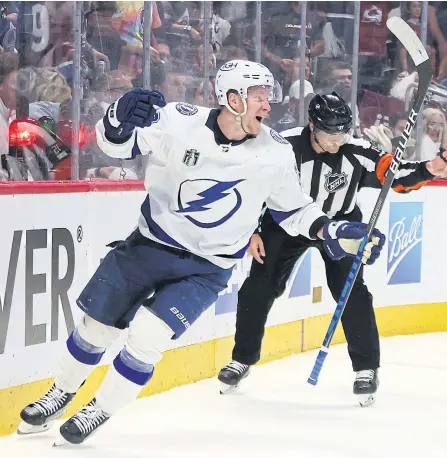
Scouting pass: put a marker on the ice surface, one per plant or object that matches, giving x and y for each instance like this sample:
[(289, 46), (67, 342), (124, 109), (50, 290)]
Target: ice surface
[(277, 414)]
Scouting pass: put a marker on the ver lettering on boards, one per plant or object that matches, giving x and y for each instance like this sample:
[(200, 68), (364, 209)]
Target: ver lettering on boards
[(36, 282)]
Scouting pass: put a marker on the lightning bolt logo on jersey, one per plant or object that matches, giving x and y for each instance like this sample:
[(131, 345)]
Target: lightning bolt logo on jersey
[(205, 198), (217, 203)]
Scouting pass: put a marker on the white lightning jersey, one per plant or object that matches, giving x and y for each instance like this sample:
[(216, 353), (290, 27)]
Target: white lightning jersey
[(206, 196)]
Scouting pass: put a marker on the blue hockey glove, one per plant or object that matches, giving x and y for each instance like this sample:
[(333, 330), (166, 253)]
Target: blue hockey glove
[(343, 238), (136, 108)]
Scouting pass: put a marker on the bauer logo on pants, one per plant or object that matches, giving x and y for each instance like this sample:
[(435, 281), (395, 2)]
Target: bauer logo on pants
[(405, 243)]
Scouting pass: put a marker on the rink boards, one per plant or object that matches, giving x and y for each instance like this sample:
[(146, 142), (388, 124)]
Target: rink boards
[(53, 237)]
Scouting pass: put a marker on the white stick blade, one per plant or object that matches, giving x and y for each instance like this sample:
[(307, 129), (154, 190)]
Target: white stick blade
[(409, 39)]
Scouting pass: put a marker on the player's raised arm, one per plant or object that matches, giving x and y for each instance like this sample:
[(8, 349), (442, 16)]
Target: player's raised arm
[(411, 175), (118, 131)]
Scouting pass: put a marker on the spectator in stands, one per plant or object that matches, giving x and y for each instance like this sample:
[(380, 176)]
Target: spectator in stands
[(341, 73), (198, 95), (181, 22), (200, 67), (44, 90), (101, 33), (59, 42), (9, 63), (129, 24), (172, 82), (112, 87), (435, 134), (231, 52), (296, 69), (437, 25), (220, 27), (412, 13), (242, 37), (50, 102), (338, 77), (8, 21), (290, 119), (338, 32), (397, 123), (282, 44)]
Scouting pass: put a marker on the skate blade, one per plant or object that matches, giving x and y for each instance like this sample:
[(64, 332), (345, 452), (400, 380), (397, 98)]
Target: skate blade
[(366, 400), (25, 428), (60, 441), (227, 389)]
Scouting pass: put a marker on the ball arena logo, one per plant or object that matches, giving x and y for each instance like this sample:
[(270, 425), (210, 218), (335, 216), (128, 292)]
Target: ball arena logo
[(404, 263)]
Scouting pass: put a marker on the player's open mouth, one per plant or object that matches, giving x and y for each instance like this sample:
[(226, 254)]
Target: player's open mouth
[(259, 118)]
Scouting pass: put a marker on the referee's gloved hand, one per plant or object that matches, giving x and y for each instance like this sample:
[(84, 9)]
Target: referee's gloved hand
[(342, 238), (136, 108)]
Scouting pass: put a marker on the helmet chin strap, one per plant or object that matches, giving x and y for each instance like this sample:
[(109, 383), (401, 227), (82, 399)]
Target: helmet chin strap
[(317, 142), (239, 115)]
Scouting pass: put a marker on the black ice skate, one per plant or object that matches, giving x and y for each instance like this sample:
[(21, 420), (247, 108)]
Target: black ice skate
[(231, 375), (365, 386), (38, 416), (82, 425)]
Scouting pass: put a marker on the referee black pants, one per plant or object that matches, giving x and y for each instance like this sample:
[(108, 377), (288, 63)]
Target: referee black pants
[(267, 282)]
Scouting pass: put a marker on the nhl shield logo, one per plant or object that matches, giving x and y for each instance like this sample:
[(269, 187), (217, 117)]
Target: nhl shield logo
[(191, 157), (335, 181)]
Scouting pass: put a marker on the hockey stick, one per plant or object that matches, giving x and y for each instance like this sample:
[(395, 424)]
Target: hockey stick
[(412, 44)]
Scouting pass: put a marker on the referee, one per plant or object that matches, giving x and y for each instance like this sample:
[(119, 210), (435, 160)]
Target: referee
[(333, 168)]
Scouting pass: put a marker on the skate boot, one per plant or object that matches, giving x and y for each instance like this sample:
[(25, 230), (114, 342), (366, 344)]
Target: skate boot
[(38, 416), (365, 386), (82, 425), (231, 375)]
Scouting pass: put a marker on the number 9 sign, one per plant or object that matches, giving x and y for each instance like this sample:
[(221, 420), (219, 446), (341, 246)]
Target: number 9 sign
[(41, 27)]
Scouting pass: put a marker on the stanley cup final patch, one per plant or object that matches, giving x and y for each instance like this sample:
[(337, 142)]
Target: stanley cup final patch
[(191, 157), (335, 181)]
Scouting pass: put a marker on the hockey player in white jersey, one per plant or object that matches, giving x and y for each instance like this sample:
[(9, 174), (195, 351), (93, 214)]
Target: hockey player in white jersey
[(209, 173)]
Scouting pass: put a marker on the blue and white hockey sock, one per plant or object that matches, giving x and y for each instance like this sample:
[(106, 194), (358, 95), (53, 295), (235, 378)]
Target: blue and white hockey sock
[(77, 362), (123, 382)]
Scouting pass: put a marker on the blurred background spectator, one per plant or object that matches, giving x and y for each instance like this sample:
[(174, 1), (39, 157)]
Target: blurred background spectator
[(101, 32), (397, 123), (9, 64), (434, 134), (37, 70), (282, 41)]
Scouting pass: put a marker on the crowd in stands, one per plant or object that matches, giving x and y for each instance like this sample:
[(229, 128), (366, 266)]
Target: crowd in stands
[(37, 71)]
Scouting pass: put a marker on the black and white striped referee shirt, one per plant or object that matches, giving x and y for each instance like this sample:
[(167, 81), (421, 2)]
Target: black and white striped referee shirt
[(333, 180)]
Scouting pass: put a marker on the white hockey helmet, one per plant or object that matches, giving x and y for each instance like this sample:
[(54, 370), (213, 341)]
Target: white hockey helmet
[(239, 76)]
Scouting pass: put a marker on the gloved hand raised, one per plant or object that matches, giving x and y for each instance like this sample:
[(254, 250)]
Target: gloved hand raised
[(136, 108), (382, 136), (342, 238)]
